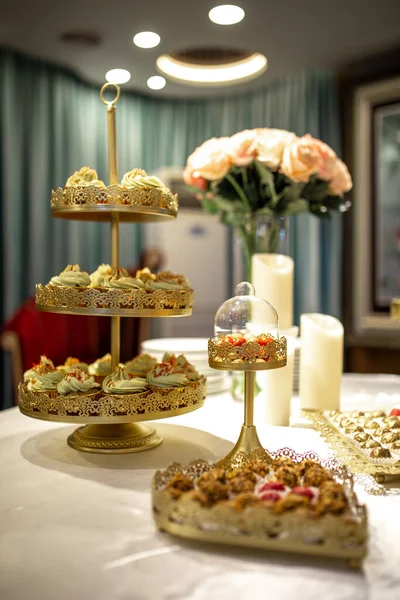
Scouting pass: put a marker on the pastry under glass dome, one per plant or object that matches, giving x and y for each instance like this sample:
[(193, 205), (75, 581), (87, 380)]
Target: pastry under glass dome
[(246, 334)]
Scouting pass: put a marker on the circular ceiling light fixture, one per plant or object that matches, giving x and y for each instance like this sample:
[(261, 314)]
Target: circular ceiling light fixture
[(146, 39), (226, 14), (199, 67), (118, 76), (156, 82)]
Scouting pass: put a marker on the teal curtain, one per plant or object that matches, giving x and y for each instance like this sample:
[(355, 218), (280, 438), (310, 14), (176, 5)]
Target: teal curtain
[(51, 124)]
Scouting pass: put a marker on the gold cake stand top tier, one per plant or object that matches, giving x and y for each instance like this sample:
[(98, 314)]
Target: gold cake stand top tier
[(91, 203), (227, 357)]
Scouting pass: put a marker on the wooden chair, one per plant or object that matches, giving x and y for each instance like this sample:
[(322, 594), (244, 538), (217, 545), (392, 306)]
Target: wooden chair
[(30, 333)]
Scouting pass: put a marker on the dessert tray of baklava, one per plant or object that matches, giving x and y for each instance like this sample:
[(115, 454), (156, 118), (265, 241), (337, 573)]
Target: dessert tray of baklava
[(279, 501)]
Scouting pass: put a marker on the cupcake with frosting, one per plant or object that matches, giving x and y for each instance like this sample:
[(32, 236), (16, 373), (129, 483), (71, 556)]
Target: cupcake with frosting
[(122, 382), (47, 383), (85, 177), (71, 364), (141, 365), (145, 275), (138, 179), (180, 364), (43, 367), (101, 368), (98, 276), (120, 279), (77, 382), (163, 375), (165, 280), (72, 276)]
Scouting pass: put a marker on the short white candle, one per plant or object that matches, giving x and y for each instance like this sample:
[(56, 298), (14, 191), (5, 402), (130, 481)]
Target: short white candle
[(272, 277), (321, 361), (277, 389)]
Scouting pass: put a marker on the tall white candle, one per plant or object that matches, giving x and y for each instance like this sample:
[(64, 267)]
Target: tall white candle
[(321, 361), (273, 281), (277, 389)]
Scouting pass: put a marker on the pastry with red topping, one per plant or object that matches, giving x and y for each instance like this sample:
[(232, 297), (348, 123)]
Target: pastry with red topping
[(78, 382)]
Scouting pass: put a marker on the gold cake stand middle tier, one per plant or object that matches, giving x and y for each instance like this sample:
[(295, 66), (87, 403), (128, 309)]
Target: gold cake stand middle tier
[(113, 423), (114, 302)]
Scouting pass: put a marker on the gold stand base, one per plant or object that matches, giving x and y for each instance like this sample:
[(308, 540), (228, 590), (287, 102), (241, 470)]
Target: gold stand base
[(248, 442), (118, 438)]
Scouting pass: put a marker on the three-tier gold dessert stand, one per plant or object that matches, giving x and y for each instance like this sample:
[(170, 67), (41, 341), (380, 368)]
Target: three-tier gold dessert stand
[(113, 424)]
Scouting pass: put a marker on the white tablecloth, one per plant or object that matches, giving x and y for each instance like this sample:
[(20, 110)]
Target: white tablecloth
[(79, 526)]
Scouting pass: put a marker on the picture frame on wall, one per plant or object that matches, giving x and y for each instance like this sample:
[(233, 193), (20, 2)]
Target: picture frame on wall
[(376, 209)]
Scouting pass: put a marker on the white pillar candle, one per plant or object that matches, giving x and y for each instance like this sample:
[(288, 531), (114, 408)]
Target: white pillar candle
[(273, 281), (321, 361), (277, 389)]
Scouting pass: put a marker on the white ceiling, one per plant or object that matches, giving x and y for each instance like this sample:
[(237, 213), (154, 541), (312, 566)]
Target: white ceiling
[(293, 34)]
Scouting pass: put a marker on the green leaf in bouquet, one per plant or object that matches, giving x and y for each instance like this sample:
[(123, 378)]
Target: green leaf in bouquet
[(229, 205), (210, 206), (319, 210), (333, 202), (316, 190), (267, 179), (296, 207), (265, 210)]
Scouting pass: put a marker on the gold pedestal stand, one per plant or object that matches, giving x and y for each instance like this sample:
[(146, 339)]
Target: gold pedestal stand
[(119, 438), (220, 357), (111, 423)]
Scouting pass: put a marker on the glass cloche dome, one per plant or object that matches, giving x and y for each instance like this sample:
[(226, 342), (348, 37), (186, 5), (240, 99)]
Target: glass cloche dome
[(246, 314)]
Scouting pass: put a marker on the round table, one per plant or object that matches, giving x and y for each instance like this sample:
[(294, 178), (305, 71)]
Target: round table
[(75, 525)]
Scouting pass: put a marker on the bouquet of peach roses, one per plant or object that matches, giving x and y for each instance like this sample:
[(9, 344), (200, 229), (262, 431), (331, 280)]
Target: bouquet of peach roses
[(266, 171)]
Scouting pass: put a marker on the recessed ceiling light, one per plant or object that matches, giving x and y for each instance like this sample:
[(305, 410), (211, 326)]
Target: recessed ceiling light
[(156, 82), (118, 76), (146, 39), (209, 75), (226, 14)]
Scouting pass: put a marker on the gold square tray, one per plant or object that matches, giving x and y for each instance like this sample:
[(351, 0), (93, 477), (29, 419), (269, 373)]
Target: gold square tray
[(326, 536), (347, 452)]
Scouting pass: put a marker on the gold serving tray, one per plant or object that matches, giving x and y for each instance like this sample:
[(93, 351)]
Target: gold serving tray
[(222, 355), (347, 452), (113, 302), (99, 204), (112, 420), (326, 536)]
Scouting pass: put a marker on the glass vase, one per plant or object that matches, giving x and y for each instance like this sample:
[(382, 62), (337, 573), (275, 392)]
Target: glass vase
[(264, 234)]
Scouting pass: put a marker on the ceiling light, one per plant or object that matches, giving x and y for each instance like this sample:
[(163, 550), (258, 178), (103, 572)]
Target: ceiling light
[(222, 74), (156, 82), (146, 39), (118, 76), (226, 14)]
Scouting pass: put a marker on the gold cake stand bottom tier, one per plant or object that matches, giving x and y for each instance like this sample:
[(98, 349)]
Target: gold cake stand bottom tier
[(118, 438), (113, 423)]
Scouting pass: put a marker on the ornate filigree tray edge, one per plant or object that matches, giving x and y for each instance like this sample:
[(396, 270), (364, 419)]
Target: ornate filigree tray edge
[(113, 302), (224, 356), (110, 408), (347, 452), (348, 539)]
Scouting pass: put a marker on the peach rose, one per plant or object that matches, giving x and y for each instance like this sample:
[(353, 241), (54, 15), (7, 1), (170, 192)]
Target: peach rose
[(190, 179), (241, 149), (301, 159), (269, 145), (327, 157), (341, 181), (211, 160)]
